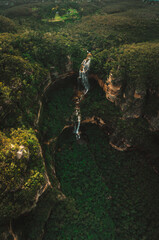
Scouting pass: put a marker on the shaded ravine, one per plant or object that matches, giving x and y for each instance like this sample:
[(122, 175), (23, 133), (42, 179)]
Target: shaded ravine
[(52, 80), (101, 185), (107, 186), (81, 180), (107, 192), (87, 214)]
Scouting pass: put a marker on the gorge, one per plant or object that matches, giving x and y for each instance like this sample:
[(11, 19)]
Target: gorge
[(79, 122)]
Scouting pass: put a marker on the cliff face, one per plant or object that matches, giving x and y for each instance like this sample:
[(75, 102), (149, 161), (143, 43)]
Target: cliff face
[(113, 88), (130, 100), (132, 84), (134, 103)]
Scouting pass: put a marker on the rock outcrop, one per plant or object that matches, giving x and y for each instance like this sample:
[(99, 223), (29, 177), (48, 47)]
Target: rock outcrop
[(113, 89), (23, 175), (153, 122), (119, 142), (134, 103)]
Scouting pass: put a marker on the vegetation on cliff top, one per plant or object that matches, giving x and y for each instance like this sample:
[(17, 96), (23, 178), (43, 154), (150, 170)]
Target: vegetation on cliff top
[(21, 177), (135, 65)]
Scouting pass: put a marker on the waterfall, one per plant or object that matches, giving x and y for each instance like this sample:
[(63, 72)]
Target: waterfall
[(83, 82)]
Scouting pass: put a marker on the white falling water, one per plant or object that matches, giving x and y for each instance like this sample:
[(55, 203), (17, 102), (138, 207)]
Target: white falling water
[(82, 80)]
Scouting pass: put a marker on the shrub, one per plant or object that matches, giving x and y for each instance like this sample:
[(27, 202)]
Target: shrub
[(19, 11), (7, 25)]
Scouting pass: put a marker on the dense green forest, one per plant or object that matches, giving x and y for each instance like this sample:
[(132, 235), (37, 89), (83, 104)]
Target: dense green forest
[(104, 185)]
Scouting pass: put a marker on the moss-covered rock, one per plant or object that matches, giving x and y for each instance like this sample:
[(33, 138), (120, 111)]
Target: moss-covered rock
[(21, 178)]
